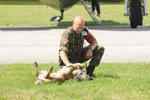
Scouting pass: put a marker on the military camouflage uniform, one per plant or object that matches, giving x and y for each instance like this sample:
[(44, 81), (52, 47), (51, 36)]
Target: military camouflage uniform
[(72, 44)]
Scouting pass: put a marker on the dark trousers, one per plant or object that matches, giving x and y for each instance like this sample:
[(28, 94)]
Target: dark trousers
[(95, 59), (95, 5)]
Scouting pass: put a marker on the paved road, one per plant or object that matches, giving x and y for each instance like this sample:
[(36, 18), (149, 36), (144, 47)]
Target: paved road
[(29, 45)]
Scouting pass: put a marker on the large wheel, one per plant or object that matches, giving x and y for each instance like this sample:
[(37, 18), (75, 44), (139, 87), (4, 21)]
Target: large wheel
[(136, 16)]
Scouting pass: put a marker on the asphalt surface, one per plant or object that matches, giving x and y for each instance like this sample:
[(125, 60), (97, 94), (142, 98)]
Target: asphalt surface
[(29, 44)]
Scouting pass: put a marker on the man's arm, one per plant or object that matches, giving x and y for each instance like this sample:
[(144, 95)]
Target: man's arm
[(64, 43), (93, 44), (66, 61), (91, 40), (64, 58)]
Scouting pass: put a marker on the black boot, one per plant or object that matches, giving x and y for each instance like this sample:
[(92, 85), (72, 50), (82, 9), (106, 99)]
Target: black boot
[(90, 70)]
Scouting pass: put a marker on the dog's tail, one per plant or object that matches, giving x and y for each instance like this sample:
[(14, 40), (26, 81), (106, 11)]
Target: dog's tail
[(36, 68), (49, 72)]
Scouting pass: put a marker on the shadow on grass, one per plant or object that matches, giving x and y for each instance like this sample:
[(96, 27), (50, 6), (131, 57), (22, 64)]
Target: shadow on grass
[(89, 23), (108, 75), (108, 25), (111, 22)]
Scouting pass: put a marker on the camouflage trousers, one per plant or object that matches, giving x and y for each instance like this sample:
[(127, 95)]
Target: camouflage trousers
[(94, 60)]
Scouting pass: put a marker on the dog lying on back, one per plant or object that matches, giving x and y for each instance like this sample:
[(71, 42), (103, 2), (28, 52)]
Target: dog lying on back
[(65, 73)]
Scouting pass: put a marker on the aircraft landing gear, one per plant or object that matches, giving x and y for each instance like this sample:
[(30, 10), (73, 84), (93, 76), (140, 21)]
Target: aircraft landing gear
[(58, 18), (135, 16), (135, 9)]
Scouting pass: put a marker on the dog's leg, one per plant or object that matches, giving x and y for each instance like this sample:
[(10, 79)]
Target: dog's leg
[(36, 69), (38, 82), (51, 77), (49, 72)]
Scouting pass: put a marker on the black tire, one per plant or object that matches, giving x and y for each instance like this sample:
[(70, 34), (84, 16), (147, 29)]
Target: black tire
[(136, 17)]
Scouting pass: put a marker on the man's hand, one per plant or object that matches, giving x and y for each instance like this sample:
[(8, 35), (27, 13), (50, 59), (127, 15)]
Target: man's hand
[(76, 65), (69, 64), (79, 65), (89, 53)]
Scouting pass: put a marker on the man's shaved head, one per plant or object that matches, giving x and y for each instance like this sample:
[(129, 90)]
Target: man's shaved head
[(79, 20), (78, 24)]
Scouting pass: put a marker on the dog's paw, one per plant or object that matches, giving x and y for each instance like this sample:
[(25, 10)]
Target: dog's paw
[(38, 82)]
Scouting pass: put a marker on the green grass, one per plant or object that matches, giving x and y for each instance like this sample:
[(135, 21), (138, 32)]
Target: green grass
[(39, 15), (112, 82)]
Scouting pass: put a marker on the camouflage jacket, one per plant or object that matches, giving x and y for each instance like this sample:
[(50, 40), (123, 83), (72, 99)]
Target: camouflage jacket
[(72, 43)]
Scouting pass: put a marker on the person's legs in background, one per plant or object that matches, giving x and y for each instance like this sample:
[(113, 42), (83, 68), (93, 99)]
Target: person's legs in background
[(97, 7), (93, 6)]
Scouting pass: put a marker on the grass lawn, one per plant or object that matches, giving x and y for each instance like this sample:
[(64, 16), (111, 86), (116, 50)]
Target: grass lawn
[(39, 15), (112, 82)]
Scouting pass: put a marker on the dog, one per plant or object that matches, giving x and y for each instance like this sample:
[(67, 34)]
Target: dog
[(65, 73)]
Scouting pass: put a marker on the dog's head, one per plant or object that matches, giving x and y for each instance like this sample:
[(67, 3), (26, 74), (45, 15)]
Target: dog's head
[(83, 77), (80, 75)]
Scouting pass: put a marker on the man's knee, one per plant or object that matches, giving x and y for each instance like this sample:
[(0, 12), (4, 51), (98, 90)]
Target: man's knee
[(97, 56), (99, 51)]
